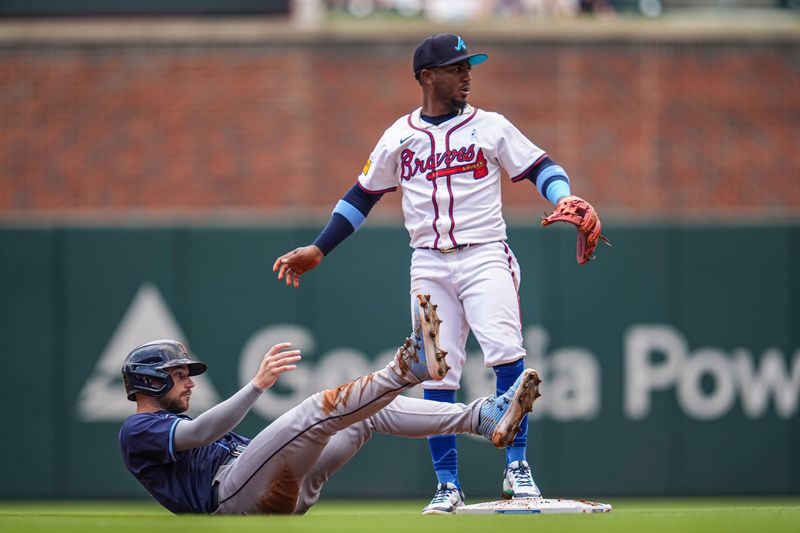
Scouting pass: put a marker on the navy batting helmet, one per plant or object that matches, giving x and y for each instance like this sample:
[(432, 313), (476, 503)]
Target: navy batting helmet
[(144, 368)]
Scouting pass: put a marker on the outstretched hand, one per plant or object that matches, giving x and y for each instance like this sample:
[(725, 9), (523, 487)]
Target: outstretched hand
[(274, 363), (296, 263)]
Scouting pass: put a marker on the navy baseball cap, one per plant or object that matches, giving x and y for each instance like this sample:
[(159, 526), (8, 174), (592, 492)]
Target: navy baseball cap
[(443, 49)]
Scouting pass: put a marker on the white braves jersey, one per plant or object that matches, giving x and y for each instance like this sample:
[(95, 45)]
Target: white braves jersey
[(449, 174)]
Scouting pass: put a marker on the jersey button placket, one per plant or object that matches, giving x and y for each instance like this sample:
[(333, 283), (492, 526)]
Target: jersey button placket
[(442, 195)]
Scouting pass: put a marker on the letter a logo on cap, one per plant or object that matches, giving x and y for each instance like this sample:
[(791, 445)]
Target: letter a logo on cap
[(460, 45)]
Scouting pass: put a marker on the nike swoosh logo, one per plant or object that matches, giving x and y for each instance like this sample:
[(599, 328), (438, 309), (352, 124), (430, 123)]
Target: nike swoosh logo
[(404, 140)]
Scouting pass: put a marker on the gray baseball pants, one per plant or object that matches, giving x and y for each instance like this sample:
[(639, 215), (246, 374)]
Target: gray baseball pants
[(285, 466)]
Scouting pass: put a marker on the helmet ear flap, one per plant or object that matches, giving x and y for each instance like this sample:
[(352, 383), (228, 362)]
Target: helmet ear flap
[(148, 380)]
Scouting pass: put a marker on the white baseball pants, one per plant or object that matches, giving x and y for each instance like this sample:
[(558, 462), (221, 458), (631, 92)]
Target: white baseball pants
[(475, 288)]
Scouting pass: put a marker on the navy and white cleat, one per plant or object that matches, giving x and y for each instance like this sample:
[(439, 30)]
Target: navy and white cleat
[(446, 500), (518, 482), (500, 417)]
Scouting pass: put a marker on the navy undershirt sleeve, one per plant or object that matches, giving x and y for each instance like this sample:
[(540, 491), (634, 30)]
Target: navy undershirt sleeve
[(362, 200), (347, 217)]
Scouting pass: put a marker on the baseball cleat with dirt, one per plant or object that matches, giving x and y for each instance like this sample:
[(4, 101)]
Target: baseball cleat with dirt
[(500, 417), (420, 355), (426, 333)]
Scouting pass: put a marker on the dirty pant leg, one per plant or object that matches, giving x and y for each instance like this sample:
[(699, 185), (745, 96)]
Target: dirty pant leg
[(405, 417), (267, 477), (340, 449)]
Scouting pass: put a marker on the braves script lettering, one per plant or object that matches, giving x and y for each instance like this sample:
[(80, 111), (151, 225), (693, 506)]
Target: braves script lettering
[(410, 165)]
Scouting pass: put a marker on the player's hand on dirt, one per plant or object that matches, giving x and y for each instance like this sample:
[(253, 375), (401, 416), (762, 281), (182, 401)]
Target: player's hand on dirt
[(274, 363), (296, 263)]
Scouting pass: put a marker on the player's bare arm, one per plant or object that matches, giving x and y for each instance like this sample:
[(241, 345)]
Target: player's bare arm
[(274, 363), (347, 217), (294, 264)]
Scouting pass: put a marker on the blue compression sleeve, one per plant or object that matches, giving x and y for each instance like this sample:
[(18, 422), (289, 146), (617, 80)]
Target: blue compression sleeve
[(337, 230), (348, 215), (553, 183), (550, 180), (557, 190)]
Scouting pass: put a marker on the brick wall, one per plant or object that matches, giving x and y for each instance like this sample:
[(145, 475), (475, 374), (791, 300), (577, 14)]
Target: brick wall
[(647, 129)]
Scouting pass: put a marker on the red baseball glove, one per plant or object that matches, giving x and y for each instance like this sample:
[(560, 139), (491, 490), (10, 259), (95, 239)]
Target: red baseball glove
[(579, 212)]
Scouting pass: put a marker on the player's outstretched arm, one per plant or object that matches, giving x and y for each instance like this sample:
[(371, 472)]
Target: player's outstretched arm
[(347, 217), (294, 264), (223, 417)]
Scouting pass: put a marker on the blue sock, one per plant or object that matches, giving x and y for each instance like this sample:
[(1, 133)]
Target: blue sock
[(506, 376), (443, 447)]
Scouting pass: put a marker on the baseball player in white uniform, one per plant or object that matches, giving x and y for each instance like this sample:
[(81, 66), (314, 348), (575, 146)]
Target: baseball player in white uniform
[(446, 158)]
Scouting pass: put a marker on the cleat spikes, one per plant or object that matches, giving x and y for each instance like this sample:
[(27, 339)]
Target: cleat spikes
[(426, 357), (501, 417)]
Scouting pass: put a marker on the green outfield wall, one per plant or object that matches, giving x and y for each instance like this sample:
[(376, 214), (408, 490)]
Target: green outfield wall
[(671, 364)]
